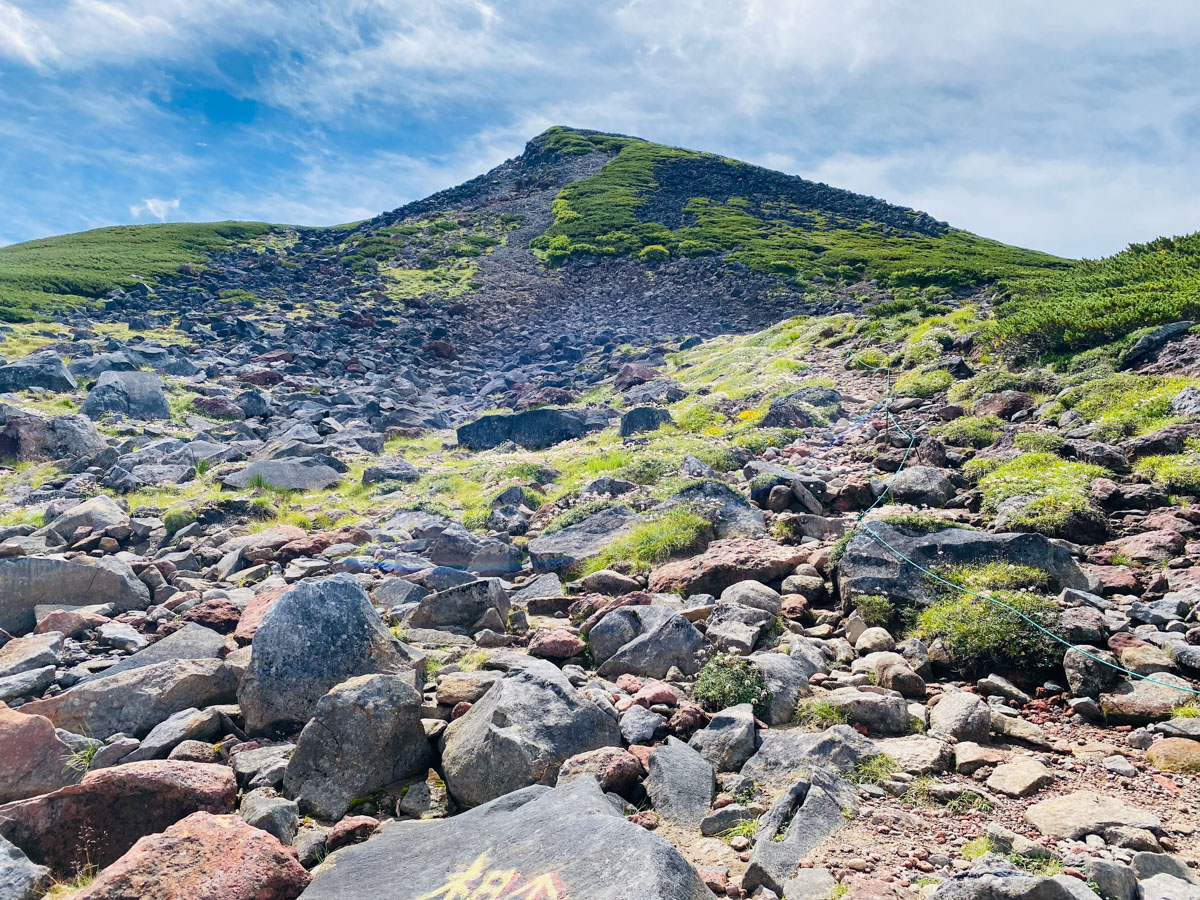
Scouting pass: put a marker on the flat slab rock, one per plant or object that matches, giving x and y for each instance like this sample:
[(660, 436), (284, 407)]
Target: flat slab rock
[(535, 843), (1085, 812)]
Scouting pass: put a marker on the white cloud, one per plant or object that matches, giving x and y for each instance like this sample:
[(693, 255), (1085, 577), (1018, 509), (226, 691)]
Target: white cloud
[(1069, 126), (156, 207)]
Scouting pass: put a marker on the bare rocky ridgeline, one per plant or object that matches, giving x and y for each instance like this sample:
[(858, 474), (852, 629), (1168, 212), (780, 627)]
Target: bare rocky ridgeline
[(289, 609)]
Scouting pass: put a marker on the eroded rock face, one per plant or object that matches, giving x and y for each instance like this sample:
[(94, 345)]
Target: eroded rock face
[(520, 732), (96, 821), (314, 637), (545, 842), (204, 855)]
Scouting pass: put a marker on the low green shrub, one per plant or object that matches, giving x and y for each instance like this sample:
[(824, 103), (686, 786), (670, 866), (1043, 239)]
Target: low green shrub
[(971, 431), (980, 635), (1180, 472), (672, 532), (726, 681), (923, 384), (817, 715)]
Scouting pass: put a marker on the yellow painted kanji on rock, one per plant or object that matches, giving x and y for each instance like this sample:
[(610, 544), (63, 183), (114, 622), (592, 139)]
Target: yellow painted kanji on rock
[(481, 882)]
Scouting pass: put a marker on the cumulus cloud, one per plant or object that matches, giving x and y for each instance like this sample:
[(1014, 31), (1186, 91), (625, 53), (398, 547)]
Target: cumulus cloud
[(1070, 126), (156, 207)]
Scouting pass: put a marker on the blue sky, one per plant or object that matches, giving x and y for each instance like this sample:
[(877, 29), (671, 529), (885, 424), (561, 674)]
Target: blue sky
[(1072, 127)]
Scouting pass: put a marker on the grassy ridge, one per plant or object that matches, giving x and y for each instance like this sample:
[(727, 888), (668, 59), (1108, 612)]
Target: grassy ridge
[(43, 275), (604, 215), (1101, 301)]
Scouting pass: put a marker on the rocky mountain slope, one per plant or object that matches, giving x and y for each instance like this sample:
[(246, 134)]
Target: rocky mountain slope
[(626, 522)]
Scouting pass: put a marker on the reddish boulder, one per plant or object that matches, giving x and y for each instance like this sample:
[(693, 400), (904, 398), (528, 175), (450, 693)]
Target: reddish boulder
[(219, 614), (261, 377), (440, 349), (96, 821), (35, 760), (218, 408), (555, 643), (1151, 546), (724, 563), (313, 544), (69, 622), (618, 770), (213, 857), (350, 830), (253, 614), (633, 374), (1004, 404)]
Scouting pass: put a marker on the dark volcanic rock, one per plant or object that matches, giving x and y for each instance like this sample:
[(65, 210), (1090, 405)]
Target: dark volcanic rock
[(541, 842), (533, 430), (315, 636)]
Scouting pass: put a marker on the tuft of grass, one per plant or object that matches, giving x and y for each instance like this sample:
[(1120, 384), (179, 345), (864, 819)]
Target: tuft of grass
[(747, 829), (874, 769), (1054, 491), (875, 609), (1126, 404), (1179, 472), (177, 518), (977, 847), (923, 384), (726, 681), (672, 532), (979, 634), (81, 760), (817, 715), (969, 802), (1189, 710), (971, 431), (1039, 442)]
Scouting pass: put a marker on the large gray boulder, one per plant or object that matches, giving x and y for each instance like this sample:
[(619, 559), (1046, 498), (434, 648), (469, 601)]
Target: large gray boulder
[(138, 395), (783, 753), (645, 641), (962, 716), (37, 370), (868, 567), (134, 701), (192, 641), (318, 634), (521, 731), (922, 486), (27, 581), (462, 607), (364, 734), (20, 879), (290, 474), (96, 513), (681, 783), (729, 738), (541, 843), (535, 429), (570, 547), (71, 437)]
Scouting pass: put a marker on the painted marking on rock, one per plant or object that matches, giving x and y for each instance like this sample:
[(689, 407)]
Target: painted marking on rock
[(480, 881)]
